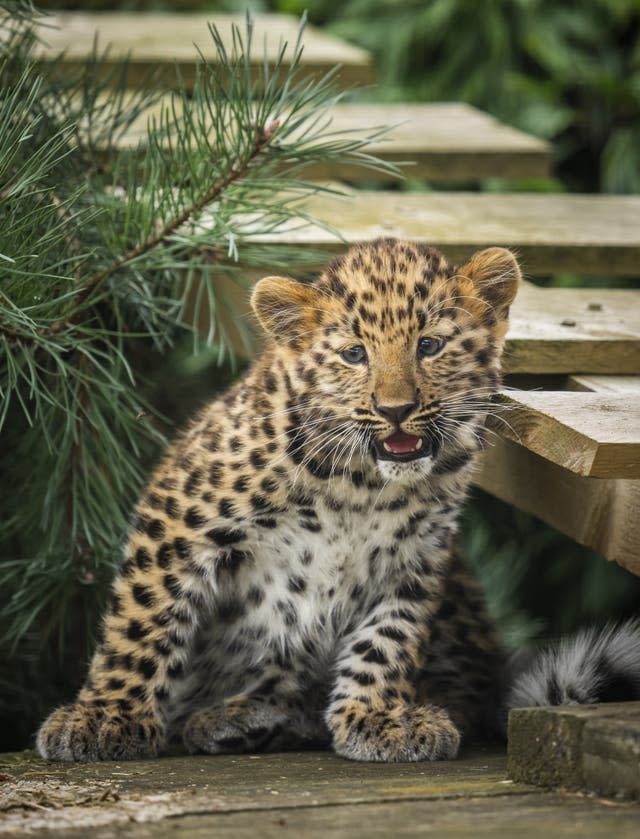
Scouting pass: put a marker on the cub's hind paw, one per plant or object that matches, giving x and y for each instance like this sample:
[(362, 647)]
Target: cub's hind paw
[(395, 735), (238, 725), (83, 732)]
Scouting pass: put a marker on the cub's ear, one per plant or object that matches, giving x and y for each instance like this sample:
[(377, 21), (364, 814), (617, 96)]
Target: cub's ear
[(285, 307), (495, 274)]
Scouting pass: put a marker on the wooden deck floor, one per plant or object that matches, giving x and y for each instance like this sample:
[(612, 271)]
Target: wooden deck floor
[(310, 794)]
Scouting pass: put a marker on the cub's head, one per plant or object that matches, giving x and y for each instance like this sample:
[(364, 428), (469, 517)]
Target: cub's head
[(394, 349)]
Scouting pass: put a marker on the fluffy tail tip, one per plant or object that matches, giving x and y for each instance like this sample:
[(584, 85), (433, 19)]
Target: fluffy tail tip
[(595, 665)]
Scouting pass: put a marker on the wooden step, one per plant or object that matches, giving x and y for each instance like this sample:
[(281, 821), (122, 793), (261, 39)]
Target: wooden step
[(160, 40), (573, 330), (582, 234), (442, 141), (592, 434), (572, 458)]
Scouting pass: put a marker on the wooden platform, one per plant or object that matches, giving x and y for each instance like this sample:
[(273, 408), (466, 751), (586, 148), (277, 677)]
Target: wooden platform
[(315, 794), (443, 141), (162, 40), (591, 434), (583, 234)]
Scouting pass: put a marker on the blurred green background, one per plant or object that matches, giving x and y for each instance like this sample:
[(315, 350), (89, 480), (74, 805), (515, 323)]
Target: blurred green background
[(567, 72)]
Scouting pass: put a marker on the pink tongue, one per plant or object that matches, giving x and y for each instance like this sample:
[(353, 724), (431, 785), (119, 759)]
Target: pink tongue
[(401, 443)]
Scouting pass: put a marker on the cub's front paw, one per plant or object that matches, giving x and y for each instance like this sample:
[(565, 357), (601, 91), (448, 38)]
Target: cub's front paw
[(86, 732), (402, 733)]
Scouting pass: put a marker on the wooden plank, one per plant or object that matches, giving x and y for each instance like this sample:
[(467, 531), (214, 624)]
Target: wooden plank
[(308, 795), (529, 816), (599, 513), (573, 330), (439, 141), (583, 234), (154, 41), (591, 747), (448, 141), (84, 795), (591, 434)]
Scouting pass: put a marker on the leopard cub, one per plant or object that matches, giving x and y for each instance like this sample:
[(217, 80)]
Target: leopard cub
[(289, 576)]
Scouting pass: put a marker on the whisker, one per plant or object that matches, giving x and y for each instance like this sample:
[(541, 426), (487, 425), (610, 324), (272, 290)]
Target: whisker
[(321, 442), (449, 423), (354, 447)]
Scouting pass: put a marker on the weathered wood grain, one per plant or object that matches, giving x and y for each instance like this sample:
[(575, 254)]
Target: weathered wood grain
[(525, 816), (573, 330), (591, 747), (83, 796), (303, 795), (438, 141), (583, 234), (592, 434), (599, 513), (447, 141), (162, 40)]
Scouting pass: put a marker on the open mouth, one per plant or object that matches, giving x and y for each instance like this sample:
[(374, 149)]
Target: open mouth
[(402, 447)]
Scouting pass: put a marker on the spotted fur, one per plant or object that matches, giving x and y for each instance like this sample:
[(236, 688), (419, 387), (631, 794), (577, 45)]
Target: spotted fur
[(290, 580)]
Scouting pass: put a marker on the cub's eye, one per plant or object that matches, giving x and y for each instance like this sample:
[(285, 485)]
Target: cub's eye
[(429, 346), (354, 355)]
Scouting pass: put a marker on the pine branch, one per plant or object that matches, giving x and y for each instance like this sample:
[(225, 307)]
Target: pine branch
[(235, 172)]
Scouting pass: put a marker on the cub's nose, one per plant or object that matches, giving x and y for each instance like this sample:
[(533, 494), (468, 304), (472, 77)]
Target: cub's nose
[(396, 413)]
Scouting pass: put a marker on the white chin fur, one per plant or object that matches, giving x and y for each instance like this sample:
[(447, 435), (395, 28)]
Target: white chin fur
[(411, 472)]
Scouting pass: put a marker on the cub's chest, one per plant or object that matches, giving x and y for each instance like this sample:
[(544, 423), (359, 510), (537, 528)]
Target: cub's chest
[(322, 543), (326, 548), (320, 569)]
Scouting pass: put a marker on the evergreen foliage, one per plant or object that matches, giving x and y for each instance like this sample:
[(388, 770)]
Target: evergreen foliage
[(108, 258)]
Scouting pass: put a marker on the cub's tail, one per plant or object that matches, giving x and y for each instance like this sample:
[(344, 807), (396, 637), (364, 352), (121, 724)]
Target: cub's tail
[(596, 665)]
